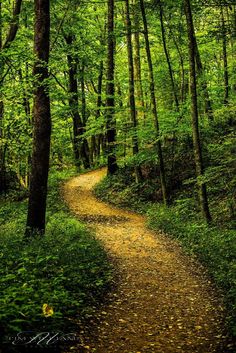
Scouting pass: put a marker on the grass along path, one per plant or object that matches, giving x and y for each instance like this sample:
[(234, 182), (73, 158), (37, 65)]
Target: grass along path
[(164, 302)]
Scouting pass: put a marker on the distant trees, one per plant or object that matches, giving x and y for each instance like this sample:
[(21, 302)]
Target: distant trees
[(80, 145)]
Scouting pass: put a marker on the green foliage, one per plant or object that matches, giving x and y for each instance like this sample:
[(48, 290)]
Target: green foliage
[(215, 247), (66, 269), (122, 191)]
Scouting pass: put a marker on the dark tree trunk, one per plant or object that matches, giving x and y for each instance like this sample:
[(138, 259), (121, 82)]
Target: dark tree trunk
[(225, 58), (183, 90), (41, 122), (165, 195), (137, 64), (14, 25), (110, 92), (97, 141), (202, 192), (26, 104), (138, 172), (176, 100), (78, 128), (204, 85), (85, 145)]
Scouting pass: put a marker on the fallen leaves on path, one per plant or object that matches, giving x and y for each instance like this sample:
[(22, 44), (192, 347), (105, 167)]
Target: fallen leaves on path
[(164, 302)]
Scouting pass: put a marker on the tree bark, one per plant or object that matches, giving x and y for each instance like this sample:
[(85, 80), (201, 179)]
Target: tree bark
[(176, 100), (78, 128), (14, 25), (41, 122), (133, 114), (85, 145), (165, 195), (112, 166), (202, 191), (97, 142), (225, 57), (137, 64), (208, 105)]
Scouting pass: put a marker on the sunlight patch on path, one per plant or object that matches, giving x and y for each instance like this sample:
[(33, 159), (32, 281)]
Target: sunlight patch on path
[(164, 302)]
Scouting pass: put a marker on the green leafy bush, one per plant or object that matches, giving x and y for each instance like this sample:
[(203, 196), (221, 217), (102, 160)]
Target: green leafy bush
[(121, 190)]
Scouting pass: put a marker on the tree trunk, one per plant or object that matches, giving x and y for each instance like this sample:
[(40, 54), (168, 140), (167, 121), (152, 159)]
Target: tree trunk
[(41, 122), (165, 195), (135, 147), (85, 145), (26, 104), (14, 25), (225, 57), (137, 65), (176, 100), (78, 129), (110, 92), (98, 140), (202, 192), (208, 106)]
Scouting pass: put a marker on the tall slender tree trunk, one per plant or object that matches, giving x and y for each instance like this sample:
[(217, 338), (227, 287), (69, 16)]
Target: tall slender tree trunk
[(208, 105), (98, 141), (41, 122), (135, 146), (174, 92), (78, 128), (202, 191), (137, 64), (110, 92), (225, 57), (85, 145), (181, 61), (14, 25), (165, 195), (26, 104)]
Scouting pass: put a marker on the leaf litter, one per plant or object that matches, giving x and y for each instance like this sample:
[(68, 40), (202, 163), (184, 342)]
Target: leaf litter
[(163, 301)]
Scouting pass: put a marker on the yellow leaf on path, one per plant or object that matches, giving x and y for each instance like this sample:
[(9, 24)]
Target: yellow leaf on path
[(122, 321), (47, 310), (198, 327)]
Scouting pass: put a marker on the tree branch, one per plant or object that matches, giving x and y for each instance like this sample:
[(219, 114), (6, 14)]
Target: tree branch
[(14, 25)]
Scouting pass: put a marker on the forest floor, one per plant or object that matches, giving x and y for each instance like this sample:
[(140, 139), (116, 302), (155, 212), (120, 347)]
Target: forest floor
[(163, 301)]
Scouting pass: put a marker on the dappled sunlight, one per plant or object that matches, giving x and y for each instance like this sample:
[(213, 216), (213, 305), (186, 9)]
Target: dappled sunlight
[(164, 302)]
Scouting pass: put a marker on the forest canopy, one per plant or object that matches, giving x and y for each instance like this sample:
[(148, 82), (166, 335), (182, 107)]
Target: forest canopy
[(150, 85)]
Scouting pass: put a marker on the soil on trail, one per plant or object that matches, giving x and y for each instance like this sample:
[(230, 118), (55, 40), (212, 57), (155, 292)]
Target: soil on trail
[(164, 303)]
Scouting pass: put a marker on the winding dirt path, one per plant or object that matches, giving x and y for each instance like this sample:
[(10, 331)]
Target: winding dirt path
[(164, 303)]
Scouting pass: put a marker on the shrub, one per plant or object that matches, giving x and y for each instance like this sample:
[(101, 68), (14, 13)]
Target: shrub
[(66, 271)]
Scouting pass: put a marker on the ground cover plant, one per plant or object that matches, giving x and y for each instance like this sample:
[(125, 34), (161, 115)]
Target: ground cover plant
[(49, 284)]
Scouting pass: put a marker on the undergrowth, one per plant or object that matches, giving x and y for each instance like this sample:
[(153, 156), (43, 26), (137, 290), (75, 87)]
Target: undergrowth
[(53, 283)]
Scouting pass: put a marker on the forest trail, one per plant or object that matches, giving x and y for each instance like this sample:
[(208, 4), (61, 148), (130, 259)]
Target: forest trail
[(163, 303)]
